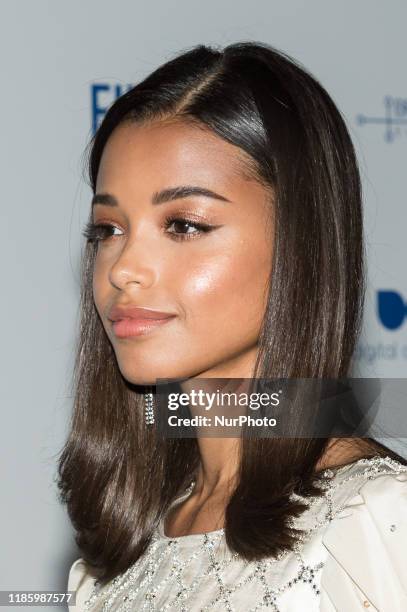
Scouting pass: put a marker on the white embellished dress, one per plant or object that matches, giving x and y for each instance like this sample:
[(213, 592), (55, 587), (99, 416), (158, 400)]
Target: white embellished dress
[(352, 557)]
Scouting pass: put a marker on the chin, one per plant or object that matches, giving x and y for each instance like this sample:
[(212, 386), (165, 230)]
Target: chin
[(141, 377), (142, 373), (146, 374)]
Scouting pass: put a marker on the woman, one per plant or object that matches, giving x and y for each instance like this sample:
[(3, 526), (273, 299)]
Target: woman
[(227, 221)]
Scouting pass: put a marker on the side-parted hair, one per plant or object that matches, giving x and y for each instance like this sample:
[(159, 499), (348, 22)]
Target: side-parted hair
[(117, 476)]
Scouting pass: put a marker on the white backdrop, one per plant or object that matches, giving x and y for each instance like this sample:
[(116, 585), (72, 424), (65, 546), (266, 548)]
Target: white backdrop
[(62, 61)]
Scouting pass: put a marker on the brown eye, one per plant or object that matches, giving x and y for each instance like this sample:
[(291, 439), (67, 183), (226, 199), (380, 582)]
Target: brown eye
[(96, 232), (182, 226)]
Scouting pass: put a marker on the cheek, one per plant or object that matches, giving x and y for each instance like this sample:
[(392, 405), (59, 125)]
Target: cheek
[(100, 284), (226, 289)]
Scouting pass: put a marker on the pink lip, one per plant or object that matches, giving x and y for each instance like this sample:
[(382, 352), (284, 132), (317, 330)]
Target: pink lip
[(123, 311), (125, 328)]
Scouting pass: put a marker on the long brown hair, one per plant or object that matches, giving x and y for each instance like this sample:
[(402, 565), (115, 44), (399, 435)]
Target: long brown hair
[(117, 476)]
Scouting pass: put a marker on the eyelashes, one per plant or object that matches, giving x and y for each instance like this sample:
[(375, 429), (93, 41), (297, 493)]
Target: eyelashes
[(96, 232), (99, 232), (202, 228)]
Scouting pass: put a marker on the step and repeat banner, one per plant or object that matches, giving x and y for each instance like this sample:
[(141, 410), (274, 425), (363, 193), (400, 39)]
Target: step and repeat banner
[(63, 65)]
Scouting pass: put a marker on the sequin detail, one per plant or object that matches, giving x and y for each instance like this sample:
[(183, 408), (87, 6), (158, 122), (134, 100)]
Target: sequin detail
[(201, 574)]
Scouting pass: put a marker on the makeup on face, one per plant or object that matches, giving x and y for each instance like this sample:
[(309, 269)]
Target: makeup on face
[(180, 237)]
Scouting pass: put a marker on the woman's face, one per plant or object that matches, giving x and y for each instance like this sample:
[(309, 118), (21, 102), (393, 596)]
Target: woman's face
[(153, 255)]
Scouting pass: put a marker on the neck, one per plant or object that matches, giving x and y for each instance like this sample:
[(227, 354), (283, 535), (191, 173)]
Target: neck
[(220, 459)]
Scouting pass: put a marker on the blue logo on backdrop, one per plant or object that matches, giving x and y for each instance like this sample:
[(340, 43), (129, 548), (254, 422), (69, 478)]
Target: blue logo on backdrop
[(102, 96), (394, 119), (392, 312), (391, 308)]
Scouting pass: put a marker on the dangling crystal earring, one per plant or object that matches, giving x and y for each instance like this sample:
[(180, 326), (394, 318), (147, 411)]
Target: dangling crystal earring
[(149, 408)]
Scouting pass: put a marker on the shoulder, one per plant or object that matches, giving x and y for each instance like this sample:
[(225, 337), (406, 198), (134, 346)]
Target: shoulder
[(81, 581), (366, 545)]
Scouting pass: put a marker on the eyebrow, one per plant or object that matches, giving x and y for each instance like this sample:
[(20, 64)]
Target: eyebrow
[(165, 195)]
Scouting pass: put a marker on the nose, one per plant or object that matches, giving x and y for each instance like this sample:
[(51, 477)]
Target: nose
[(134, 264)]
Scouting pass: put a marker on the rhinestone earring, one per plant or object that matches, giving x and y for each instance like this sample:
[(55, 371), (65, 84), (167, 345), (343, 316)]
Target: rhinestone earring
[(149, 408)]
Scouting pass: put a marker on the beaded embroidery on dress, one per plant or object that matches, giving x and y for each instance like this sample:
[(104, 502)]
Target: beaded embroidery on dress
[(198, 573)]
